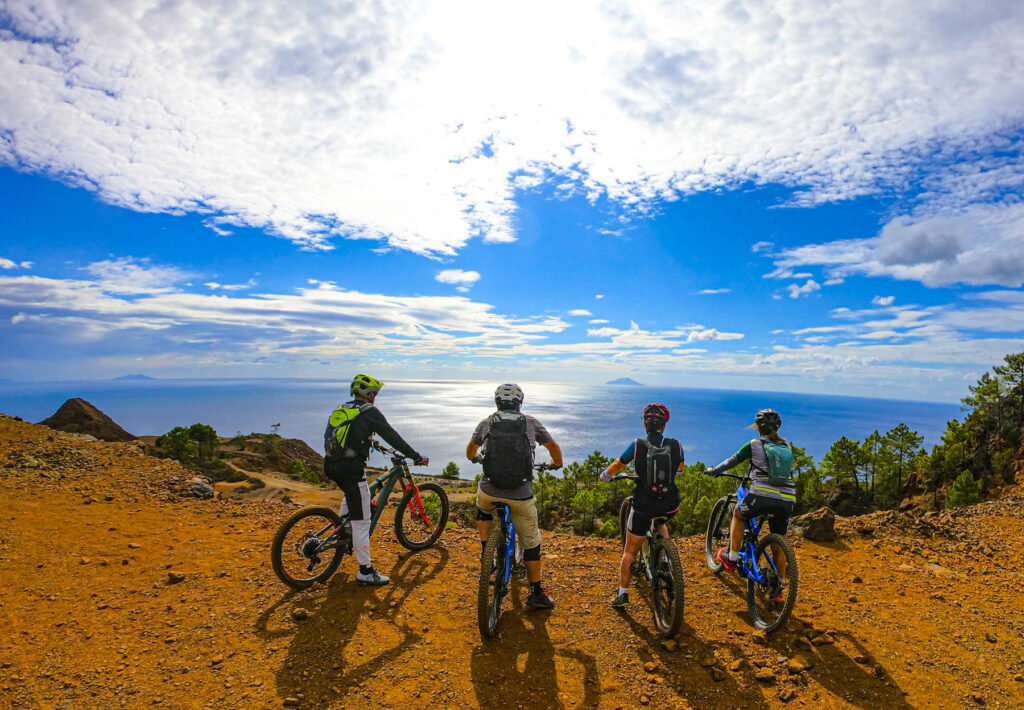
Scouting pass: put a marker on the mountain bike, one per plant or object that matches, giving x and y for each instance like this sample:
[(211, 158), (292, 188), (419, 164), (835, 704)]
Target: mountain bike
[(502, 556), (309, 545), (756, 562), (658, 563)]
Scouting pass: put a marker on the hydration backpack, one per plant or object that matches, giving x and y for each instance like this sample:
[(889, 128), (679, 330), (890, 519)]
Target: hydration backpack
[(780, 463), (508, 459), (338, 423), (659, 480)]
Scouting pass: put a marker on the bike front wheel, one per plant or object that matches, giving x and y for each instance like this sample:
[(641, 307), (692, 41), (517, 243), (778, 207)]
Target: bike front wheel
[(492, 588), (718, 533), (667, 587), (421, 516), (307, 547), (766, 614)]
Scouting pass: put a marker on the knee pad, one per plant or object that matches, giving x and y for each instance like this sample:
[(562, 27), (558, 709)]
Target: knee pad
[(481, 515), (532, 554)]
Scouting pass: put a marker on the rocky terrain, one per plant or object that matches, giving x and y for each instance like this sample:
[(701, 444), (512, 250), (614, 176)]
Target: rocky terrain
[(121, 589), (81, 417)]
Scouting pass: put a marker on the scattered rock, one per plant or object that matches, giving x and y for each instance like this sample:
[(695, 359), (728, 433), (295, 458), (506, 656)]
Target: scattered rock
[(650, 667), (786, 694), (217, 660), (978, 698), (175, 577), (80, 417), (718, 675), (708, 661), (300, 614), (201, 487), (736, 665), (291, 702), (765, 675), (800, 663), (857, 580)]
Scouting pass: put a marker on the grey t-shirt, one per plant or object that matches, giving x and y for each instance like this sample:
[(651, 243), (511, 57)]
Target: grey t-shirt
[(535, 432)]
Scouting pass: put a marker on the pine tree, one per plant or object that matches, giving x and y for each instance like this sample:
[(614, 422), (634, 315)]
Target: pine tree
[(964, 491)]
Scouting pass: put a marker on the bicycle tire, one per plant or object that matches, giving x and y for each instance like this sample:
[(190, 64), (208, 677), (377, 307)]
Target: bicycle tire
[(721, 513), (668, 621), (277, 548), (793, 579), (403, 511), (623, 518), (492, 581)]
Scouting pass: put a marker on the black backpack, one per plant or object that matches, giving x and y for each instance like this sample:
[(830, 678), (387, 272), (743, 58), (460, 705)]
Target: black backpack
[(508, 459), (658, 479)]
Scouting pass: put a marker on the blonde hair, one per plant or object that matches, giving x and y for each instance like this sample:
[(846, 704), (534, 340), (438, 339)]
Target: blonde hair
[(772, 436)]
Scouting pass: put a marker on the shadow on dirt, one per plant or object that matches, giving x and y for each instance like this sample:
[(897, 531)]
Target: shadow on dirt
[(351, 632), (521, 667)]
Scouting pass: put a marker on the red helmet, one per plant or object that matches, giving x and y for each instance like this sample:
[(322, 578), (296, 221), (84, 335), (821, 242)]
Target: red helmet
[(657, 410)]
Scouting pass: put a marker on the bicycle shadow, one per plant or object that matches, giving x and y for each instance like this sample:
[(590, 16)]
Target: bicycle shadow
[(685, 674), (521, 668), (351, 631)]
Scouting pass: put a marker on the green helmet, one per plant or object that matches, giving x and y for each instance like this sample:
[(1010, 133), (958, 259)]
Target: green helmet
[(365, 386)]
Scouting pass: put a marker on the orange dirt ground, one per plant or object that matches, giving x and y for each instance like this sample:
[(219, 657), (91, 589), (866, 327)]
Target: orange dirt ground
[(905, 613)]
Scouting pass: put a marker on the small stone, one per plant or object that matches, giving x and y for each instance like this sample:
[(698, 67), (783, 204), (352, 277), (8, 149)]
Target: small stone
[(300, 614), (644, 700), (650, 667), (765, 675), (857, 580), (853, 600), (787, 694), (991, 638), (800, 663), (175, 577), (217, 660), (291, 702), (669, 645), (134, 546), (718, 675), (84, 561), (822, 640), (736, 665), (978, 698)]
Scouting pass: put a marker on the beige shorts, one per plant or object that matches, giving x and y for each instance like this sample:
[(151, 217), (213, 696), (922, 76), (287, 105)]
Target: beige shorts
[(524, 516)]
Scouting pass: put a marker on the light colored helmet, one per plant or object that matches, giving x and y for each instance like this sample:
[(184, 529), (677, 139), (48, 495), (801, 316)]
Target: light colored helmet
[(365, 386), (509, 396)]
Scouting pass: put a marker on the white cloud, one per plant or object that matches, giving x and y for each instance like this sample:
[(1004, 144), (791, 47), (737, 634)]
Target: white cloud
[(712, 291), (598, 321), (458, 276), (833, 282), (326, 120), (983, 244), (809, 287), (599, 296), (8, 264), (214, 286), (758, 247), (580, 312), (883, 300), (127, 275), (17, 318)]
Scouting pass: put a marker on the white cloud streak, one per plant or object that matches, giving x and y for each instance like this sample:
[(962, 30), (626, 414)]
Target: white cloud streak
[(458, 277), (8, 264)]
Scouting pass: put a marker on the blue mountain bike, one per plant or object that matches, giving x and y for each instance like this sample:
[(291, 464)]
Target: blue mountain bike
[(757, 561), (502, 559)]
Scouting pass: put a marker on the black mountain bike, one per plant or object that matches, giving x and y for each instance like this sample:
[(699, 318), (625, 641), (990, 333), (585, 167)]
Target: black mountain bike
[(756, 561), (309, 545), (658, 563)]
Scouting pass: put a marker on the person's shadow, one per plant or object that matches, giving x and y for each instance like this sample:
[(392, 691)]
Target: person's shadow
[(319, 656), (520, 668)]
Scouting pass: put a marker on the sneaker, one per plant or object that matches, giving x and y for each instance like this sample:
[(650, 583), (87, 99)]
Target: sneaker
[(726, 562), (778, 593), (373, 579), (540, 601), (519, 571), (620, 600)]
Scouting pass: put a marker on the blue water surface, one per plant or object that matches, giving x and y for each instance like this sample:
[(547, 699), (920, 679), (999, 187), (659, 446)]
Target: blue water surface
[(438, 418)]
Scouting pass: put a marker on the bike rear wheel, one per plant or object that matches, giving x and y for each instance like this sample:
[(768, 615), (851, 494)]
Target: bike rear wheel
[(296, 552), (492, 588), (766, 614), (718, 533), (627, 503), (667, 587), (419, 523)]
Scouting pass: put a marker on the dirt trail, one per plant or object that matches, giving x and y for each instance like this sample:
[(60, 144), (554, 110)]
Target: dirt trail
[(89, 618)]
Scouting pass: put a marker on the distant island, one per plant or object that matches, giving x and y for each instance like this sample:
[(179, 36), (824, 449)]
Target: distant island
[(134, 377), (624, 381)]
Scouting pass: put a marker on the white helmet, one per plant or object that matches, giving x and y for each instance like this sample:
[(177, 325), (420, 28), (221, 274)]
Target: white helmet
[(510, 395)]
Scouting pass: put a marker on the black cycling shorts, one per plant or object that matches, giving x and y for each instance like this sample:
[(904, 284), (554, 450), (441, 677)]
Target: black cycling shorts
[(639, 522), (754, 506)]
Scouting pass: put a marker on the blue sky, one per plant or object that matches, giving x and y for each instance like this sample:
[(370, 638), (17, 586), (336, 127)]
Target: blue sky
[(686, 195)]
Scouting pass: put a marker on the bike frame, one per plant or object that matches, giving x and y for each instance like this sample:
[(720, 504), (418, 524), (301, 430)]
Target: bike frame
[(509, 529), (752, 530)]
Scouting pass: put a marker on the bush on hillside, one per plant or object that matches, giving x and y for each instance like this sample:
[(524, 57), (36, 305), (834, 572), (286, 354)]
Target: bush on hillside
[(964, 491), (299, 470), (451, 471)]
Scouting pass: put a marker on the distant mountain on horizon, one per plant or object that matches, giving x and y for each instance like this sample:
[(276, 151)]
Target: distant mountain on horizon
[(135, 377), (624, 381)]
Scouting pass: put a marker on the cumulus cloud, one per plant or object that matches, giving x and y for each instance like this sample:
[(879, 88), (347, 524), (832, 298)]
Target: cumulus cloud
[(459, 278), (8, 264), (326, 120), (127, 275), (982, 245), (599, 296), (809, 287), (713, 291), (883, 300), (597, 321), (580, 312)]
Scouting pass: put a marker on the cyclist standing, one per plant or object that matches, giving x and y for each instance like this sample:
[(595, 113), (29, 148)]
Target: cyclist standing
[(656, 459), (508, 438), (347, 446), (772, 489)]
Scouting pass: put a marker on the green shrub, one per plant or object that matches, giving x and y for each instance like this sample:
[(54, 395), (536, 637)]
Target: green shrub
[(964, 491), (299, 470), (450, 471)]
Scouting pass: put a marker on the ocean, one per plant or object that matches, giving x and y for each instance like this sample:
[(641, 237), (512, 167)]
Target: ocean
[(438, 418)]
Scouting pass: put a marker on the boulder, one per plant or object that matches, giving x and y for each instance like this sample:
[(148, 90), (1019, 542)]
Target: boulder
[(818, 526), (80, 417), (202, 487)]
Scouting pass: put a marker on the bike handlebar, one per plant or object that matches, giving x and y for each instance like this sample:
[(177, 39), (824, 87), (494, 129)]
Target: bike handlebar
[(624, 477), (376, 445), (742, 479), (536, 466)]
